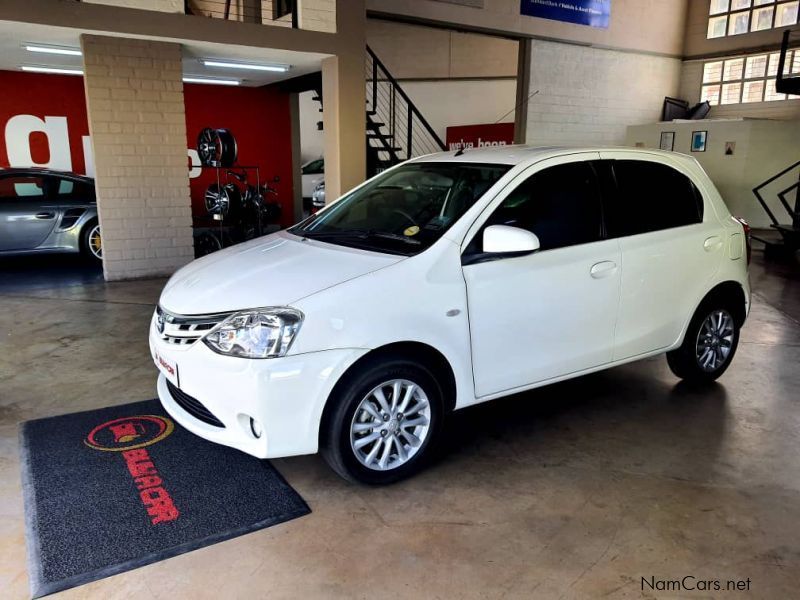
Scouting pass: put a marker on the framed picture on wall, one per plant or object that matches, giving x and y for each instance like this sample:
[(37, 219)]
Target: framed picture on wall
[(667, 140), (699, 139)]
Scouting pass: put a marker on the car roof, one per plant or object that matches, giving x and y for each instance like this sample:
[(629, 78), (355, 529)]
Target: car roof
[(43, 171), (520, 154)]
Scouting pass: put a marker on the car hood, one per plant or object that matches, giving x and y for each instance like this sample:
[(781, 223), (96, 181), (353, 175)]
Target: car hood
[(275, 270)]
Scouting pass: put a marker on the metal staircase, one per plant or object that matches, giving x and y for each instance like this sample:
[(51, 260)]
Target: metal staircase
[(396, 129), (789, 232)]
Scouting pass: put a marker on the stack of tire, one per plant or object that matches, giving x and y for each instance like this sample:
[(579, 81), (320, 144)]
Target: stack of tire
[(218, 148)]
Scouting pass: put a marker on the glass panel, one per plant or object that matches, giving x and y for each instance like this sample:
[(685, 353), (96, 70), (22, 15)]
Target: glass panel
[(753, 91), (717, 27), (712, 72), (740, 4), (739, 23), (771, 95), (795, 63), (787, 14), (762, 2), (733, 69), (710, 93), (731, 93), (773, 64), (718, 6), (756, 66), (762, 19)]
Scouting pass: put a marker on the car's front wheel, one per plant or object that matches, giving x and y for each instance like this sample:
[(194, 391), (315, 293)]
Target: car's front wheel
[(384, 421), (710, 343)]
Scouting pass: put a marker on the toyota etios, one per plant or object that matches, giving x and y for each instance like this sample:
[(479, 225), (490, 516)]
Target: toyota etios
[(446, 281)]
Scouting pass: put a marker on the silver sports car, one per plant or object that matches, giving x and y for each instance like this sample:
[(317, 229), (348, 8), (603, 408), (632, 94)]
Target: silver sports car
[(48, 211)]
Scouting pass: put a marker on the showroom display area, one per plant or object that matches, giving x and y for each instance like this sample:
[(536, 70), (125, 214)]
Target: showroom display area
[(44, 124)]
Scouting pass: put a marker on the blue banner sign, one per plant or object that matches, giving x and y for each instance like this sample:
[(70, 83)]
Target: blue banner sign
[(595, 13)]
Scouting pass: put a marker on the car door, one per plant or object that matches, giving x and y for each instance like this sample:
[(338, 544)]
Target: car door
[(27, 214), (669, 250), (552, 312)]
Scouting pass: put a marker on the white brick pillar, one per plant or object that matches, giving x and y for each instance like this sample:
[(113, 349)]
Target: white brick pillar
[(134, 96)]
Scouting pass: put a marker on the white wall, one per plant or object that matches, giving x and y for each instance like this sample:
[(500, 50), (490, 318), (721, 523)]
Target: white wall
[(590, 95), (448, 103), (312, 140), (763, 148)]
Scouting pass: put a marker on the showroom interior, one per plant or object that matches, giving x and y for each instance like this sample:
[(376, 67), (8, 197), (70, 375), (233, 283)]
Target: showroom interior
[(145, 138)]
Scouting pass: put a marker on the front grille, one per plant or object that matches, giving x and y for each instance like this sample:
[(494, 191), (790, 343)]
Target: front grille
[(183, 330), (193, 406)]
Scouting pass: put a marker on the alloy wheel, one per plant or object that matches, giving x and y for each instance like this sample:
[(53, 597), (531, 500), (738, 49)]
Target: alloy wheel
[(715, 340), (96, 242), (390, 425)]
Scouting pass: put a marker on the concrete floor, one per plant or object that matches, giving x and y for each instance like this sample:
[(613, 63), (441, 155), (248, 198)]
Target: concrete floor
[(572, 491)]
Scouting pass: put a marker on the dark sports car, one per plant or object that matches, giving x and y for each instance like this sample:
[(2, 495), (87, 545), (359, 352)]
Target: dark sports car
[(48, 211)]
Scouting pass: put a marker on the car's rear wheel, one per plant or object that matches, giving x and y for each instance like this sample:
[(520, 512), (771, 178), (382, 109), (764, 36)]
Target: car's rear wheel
[(710, 343), (384, 421), (92, 242)]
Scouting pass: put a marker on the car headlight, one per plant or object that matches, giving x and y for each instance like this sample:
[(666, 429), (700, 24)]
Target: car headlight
[(257, 333)]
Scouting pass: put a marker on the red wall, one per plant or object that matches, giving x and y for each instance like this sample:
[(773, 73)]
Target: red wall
[(258, 117)]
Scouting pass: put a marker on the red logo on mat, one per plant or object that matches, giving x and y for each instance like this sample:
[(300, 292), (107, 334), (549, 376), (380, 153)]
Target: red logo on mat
[(130, 435)]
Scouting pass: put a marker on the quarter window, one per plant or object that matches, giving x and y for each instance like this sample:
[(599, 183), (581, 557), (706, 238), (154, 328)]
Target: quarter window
[(561, 205), (650, 197)]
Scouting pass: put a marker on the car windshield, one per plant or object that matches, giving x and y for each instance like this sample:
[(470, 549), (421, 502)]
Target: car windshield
[(405, 210)]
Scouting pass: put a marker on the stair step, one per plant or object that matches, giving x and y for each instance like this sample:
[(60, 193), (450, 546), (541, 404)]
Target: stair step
[(379, 136), (372, 113), (374, 124)]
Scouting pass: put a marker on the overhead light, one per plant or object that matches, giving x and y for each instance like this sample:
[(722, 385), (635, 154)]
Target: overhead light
[(58, 70), (247, 66), (211, 81), (53, 49)]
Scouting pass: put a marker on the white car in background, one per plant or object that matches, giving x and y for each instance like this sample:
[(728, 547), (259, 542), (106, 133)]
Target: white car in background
[(446, 281), (313, 173)]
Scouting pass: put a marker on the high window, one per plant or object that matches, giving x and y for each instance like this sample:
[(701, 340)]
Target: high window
[(746, 79), (734, 17)]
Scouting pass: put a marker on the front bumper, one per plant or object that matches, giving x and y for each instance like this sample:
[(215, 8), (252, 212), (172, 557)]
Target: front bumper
[(285, 395)]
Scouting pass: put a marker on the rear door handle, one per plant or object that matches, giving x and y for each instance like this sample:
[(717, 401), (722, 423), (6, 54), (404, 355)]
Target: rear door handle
[(712, 244), (46, 215), (603, 269)]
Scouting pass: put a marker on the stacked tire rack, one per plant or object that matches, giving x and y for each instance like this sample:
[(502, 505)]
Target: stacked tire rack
[(233, 214)]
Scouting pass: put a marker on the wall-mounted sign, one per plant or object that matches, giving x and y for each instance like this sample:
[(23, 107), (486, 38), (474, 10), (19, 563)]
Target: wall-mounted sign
[(480, 136), (594, 13)]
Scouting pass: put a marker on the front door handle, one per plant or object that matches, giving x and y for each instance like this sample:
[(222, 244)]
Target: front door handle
[(713, 243), (46, 215), (603, 269)]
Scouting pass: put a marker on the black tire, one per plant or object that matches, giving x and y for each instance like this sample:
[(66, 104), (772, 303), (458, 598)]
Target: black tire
[(685, 362), (86, 243), (335, 439)]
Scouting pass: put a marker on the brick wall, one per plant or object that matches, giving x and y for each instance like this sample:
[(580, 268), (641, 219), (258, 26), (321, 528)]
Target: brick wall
[(591, 95), (134, 97)]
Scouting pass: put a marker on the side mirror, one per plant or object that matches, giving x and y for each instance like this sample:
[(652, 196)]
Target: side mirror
[(507, 240)]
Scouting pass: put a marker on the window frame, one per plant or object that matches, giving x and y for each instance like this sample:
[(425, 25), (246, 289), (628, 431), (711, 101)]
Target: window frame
[(46, 185), (730, 14), (768, 78)]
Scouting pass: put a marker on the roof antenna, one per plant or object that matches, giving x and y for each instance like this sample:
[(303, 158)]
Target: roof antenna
[(461, 150)]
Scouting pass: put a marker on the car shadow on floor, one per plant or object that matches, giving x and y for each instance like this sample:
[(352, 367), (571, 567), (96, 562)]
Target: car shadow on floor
[(46, 271)]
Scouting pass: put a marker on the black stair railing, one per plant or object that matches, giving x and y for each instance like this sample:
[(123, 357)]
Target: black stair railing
[(396, 129), (793, 228)]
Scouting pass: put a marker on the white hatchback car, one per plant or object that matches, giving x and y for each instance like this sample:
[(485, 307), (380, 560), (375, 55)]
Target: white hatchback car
[(446, 281)]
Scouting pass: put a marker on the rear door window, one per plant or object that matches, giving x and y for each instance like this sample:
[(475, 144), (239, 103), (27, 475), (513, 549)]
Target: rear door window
[(650, 196), (18, 187)]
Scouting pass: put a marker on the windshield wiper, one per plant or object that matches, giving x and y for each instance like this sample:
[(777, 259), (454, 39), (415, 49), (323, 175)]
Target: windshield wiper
[(360, 234)]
